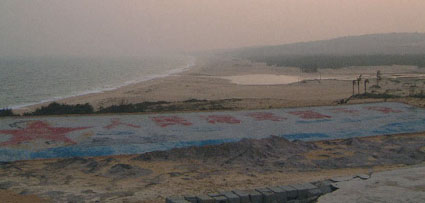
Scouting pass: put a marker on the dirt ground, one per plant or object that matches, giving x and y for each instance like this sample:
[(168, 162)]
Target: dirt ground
[(198, 170)]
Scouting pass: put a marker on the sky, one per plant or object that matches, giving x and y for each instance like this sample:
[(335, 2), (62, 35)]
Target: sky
[(143, 27)]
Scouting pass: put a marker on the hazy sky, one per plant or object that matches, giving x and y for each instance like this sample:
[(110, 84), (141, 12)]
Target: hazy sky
[(138, 27)]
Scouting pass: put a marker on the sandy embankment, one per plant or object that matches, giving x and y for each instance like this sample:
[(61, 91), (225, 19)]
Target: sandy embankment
[(259, 85), (247, 164)]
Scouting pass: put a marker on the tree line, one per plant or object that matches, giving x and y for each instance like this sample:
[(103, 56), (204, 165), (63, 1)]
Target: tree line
[(312, 63)]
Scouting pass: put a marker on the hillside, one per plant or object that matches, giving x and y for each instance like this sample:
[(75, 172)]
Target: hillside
[(364, 50)]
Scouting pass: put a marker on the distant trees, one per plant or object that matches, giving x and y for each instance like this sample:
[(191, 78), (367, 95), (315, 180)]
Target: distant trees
[(6, 112), (365, 85), (59, 109), (313, 62), (378, 77), (354, 84), (359, 79)]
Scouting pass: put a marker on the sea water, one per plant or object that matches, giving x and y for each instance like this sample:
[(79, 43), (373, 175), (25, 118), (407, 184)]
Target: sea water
[(27, 81)]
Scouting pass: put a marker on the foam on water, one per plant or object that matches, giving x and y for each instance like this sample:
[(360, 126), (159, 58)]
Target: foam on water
[(12, 90)]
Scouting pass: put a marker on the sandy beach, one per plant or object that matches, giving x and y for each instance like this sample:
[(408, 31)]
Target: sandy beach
[(256, 85), (236, 84)]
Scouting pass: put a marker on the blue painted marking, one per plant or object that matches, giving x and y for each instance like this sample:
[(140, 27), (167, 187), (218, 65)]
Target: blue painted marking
[(116, 133), (313, 121), (96, 141), (305, 136)]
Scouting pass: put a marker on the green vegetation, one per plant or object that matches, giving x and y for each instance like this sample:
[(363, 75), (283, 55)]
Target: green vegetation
[(60, 109), (312, 63), (375, 96), (159, 106), (6, 112), (130, 108)]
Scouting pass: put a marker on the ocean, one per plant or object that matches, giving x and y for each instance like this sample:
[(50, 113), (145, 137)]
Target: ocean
[(30, 81)]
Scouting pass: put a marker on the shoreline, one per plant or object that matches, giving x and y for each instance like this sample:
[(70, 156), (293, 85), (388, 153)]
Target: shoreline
[(210, 79), (171, 72)]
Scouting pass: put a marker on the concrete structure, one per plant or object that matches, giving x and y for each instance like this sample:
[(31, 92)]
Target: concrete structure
[(400, 185), (76, 136), (305, 192)]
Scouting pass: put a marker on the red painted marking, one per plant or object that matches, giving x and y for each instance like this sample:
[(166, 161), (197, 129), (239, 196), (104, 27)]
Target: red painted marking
[(264, 116), (344, 110), (165, 121), (39, 130), (309, 114), (116, 122), (384, 110), (221, 119)]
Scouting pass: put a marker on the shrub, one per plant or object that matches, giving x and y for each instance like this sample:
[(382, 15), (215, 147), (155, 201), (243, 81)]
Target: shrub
[(60, 109), (6, 112), (375, 96), (130, 108)]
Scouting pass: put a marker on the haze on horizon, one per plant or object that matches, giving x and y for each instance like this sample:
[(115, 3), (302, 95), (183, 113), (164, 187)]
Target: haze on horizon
[(143, 27)]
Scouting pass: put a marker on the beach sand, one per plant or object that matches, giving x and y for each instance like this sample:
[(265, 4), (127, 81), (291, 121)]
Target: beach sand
[(210, 79), (247, 164), (256, 84)]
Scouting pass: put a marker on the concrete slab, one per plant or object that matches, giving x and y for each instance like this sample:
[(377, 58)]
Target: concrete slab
[(255, 196), (205, 199), (291, 192), (231, 197), (280, 193), (243, 195), (400, 185), (268, 195), (78, 136), (177, 199)]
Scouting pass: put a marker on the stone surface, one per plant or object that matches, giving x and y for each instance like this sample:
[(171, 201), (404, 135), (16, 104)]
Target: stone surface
[(314, 193), (280, 193), (324, 186), (255, 196), (191, 199), (205, 199), (219, 198), (291, 192), (303, 189), (268, 195), (362, 176), (231, 197), (243, 195), (341, 179), (400, 185), (176, 199)]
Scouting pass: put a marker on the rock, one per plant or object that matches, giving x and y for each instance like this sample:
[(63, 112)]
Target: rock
[(362, 176), (105, 196), (291, 192), (268, 195), (255, 196), (303, 189), (6, 185), (126, 171), (243, 195), (280, 193), (219, 198), (324, 186), (340, 179), (71, 198), (192, 199), (231, 197), (205, 199), (176, 199)]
